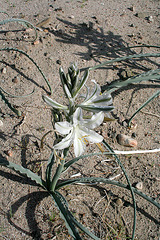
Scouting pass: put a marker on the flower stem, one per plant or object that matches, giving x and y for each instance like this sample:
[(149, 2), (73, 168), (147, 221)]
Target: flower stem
[(59, 170)]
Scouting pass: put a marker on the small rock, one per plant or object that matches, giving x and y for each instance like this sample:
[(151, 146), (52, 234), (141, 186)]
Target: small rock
[(139, 185), (119, 202), (150, 19), (133, 125), (4, 70), (133, 134), (9, 153), (141, 14), (29, 30), (15, 80), (1, 123), (36, 42), (51, 58), (58, 62), (132, 8), (58, 9), (72, 17), (126, 140), (124, 123)]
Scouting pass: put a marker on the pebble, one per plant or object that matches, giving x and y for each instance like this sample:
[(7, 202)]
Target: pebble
[(124, 123), (131, 25), (139, 185), (132, 8), (119, 202), (58, 62), (72, 17), (133, 134), (1, 123), (9, 153), (141, 14), (4, 70), (15, 80), (36, 42), (126, 140), (150, 19), (133, 125)]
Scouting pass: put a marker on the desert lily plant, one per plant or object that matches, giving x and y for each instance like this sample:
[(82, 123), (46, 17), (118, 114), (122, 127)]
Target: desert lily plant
[(77, 130)]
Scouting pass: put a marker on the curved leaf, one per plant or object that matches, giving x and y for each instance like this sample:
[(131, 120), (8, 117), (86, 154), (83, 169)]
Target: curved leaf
[(143, 105), (150, 75), (65, 214), (21, 21), (16, 111), (81, 83), (125, 58), (107, 146), (17, 96), (23, 171), (95, 180), (49, 169), (69, 218), (39, 69)]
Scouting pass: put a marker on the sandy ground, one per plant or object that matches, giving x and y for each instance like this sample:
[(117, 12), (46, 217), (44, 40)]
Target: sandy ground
[(88, 33)]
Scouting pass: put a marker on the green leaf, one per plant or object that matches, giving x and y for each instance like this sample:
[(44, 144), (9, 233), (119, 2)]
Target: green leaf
[(23, 22), (59, 169), (65, 82), (150, 75), (53, 103), (85, 230), (16, 111), (95, 180), (22, 171), (39, 69), (81, 83), (65, 214), (17, 96), (143, 105), (74, 160), (125, 58), (93, 108), (107, 146), (49, 169)]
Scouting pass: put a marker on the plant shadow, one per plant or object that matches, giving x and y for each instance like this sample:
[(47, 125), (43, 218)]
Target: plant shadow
[(32, 199), (99, 45)]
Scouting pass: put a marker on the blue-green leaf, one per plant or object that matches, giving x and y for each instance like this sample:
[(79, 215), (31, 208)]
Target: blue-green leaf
[(65, 214), (23, 171)]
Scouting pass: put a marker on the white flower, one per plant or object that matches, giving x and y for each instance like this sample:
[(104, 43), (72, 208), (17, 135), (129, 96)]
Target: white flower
[(95, 101), (79, 132)]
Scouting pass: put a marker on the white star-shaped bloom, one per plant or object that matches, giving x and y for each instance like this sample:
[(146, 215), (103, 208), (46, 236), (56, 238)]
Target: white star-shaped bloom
[(79, 131)]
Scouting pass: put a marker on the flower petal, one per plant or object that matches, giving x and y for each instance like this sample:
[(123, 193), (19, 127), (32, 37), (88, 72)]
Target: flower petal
[(79, 144), (91, 135), (66, 142), (95, 120), (77, 116), (63, 127)]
